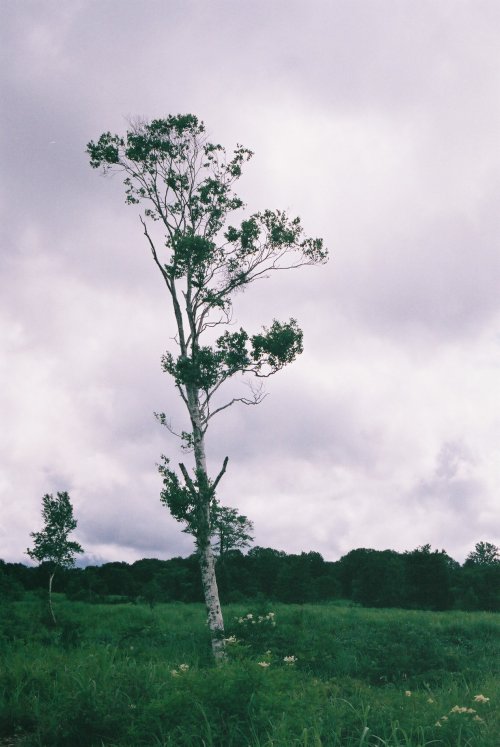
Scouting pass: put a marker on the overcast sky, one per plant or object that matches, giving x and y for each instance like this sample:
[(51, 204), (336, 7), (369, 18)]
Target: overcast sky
[(376, 121)]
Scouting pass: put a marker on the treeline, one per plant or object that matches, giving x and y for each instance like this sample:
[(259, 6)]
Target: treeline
[(420, 579)]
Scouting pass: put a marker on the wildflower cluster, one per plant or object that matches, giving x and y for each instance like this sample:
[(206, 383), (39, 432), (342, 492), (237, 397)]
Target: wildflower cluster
[(481, 699), (181, 668), (464, 710), (254, 632), (249, 619), (290, 660)]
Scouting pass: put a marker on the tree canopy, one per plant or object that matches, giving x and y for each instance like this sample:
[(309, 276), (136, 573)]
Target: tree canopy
[(187, 185), (52, 545)]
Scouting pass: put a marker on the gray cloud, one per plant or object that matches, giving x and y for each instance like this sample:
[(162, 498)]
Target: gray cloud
[(378, 124)]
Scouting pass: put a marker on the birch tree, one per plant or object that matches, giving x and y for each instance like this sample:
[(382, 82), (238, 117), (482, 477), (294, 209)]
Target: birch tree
[(185, 186), (52, 545)]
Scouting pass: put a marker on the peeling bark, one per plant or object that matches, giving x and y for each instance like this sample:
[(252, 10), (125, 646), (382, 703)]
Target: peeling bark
[(211, 592)]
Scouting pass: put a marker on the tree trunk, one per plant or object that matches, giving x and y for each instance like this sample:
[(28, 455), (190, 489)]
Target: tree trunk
[(205, 553), (211, 593), (51, 578)]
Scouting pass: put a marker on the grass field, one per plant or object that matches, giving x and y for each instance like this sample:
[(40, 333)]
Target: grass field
[(312, 675)]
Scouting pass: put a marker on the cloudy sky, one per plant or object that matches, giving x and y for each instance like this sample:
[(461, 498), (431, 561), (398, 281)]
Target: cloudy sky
[(377, 121)]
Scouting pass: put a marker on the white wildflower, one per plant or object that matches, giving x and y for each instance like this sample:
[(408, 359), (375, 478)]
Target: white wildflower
[(290, 659), (183, 667), (481, 699), (462, 709), (264, 664), (408, 693)]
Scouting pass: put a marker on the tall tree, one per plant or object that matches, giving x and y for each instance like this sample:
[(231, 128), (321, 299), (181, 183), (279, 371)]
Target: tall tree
[(51, 545), (186, 185)]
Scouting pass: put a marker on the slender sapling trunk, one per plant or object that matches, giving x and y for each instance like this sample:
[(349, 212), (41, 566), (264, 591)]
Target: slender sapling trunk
[(51, 609)]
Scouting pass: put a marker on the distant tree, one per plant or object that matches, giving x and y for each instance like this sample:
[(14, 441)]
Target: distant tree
[(10, 589), (296, 577), (236, 581), (373, 577), (118, 578), (152, 592), (229, 530), (351, 569), (265, 565), (479, 586), (186, 183), (428, 577), (51, 546), (147, 569), (484, 553)]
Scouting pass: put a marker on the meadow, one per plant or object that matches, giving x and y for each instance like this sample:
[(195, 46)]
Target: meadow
[(322, 675)]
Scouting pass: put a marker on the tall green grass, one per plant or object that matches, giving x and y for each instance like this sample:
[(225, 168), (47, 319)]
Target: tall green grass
[(112, 676)]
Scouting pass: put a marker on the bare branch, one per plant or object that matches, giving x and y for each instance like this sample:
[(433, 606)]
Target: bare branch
[(217, 479), (155, 256), (188, 480), (244, 401), (162, 418)]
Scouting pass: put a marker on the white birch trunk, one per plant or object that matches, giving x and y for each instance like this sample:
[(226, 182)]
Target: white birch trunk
[(211, 593), (206, 556)]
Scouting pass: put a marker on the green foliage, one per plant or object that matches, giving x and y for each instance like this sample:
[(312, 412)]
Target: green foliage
[(230, 530), (52, 545), (484, 554), (170, 163), (234, 352), (175, 495), (373, 578), (10, 588), (186, 183), (186, 501), (328, 676), (278, 346)]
